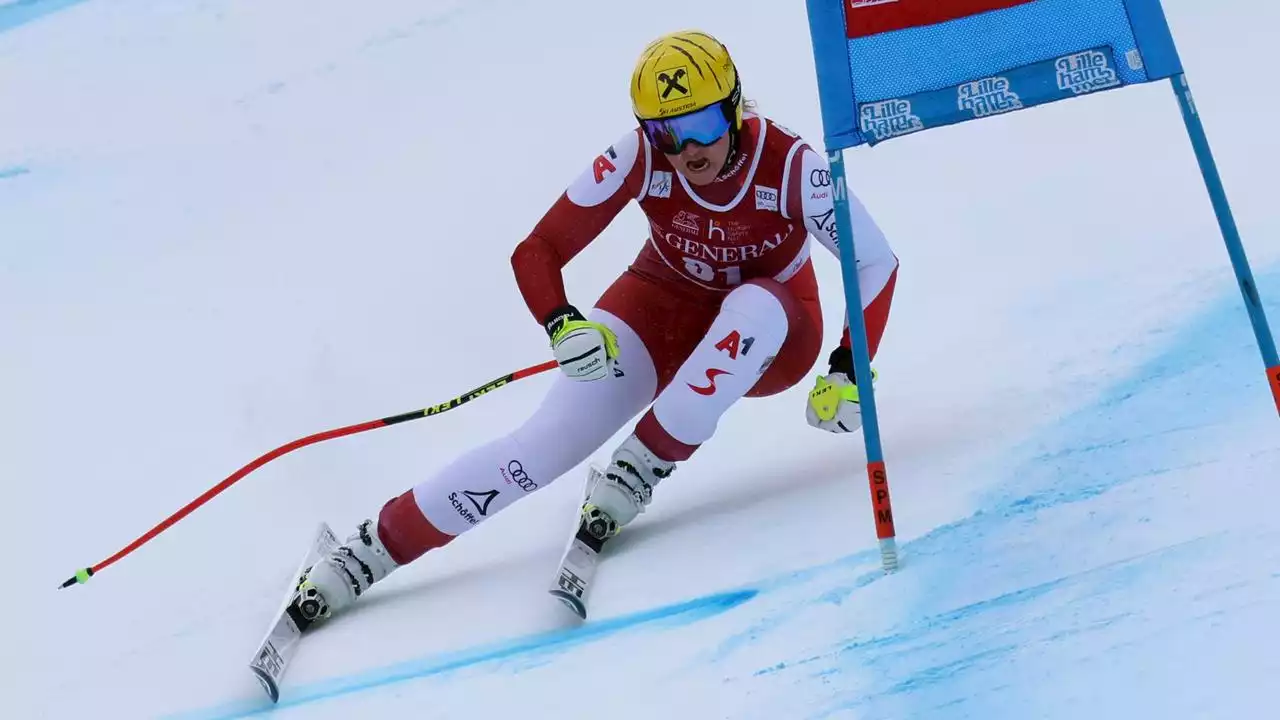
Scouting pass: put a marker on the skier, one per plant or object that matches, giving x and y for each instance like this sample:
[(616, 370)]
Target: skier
[(721, 303)]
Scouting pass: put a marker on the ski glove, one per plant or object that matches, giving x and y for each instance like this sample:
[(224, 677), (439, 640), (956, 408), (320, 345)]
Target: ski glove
[(833, 402), (585, 350)]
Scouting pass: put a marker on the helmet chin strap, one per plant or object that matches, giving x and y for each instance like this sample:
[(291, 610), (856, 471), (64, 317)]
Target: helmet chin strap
[(732, 108), (731, 157)]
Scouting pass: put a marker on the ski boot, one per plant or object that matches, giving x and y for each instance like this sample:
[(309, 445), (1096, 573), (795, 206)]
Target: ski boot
[(334, 583), (624, 491)]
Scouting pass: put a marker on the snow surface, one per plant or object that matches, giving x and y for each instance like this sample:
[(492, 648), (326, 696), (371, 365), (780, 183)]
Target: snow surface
[(227, 224)]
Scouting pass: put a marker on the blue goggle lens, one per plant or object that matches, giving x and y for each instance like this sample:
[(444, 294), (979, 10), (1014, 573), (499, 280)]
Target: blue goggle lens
[(671, 135)]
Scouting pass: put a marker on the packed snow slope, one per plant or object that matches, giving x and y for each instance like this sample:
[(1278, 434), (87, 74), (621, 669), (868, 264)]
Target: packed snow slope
[(227, 224)]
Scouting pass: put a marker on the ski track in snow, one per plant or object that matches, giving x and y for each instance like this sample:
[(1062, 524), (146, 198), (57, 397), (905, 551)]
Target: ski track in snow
[(983, 657)]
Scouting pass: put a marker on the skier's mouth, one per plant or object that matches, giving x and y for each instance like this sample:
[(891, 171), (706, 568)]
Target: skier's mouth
[(697, 166)]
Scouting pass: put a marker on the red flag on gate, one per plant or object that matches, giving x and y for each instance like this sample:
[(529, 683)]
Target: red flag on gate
[(869, 17)]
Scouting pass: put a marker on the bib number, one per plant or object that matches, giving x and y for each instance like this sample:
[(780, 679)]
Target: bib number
[(704, 272)]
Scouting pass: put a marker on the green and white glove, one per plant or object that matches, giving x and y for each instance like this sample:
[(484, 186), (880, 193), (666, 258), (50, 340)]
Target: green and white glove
[(585, 350)]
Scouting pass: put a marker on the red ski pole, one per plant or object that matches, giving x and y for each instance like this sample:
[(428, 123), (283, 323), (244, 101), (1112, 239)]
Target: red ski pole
[(82, 576)]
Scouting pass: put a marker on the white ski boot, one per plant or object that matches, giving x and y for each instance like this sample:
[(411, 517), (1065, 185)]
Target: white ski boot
[(334, 583), (625, 490)]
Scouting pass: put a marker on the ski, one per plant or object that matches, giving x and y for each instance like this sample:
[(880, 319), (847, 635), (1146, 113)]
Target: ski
[(283, 635), (577, 569)]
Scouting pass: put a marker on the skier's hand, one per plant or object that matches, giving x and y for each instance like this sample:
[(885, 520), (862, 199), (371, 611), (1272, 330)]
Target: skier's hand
[(833, 404), (585, 350)]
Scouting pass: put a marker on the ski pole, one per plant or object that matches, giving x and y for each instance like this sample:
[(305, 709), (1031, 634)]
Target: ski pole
[(82, 576)]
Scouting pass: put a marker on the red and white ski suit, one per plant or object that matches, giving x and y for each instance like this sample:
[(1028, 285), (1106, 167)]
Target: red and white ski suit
[(720, 303)]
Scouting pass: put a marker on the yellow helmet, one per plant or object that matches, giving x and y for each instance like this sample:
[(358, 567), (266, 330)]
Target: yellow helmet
[(683, 72)]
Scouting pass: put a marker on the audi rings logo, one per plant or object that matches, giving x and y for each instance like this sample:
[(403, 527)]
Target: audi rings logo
[(514, 474), (820, 178)]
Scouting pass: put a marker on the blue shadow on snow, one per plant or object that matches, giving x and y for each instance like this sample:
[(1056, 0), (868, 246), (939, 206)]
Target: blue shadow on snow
[(986, 657), (676, 615), (17, 14)]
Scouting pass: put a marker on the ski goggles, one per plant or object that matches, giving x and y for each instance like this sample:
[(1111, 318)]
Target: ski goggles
[(703, 127)]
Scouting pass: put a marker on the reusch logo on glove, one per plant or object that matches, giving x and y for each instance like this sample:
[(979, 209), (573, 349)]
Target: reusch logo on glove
[(595, 360)]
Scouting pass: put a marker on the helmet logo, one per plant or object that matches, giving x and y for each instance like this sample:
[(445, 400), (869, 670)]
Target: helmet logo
[(669, 87)]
